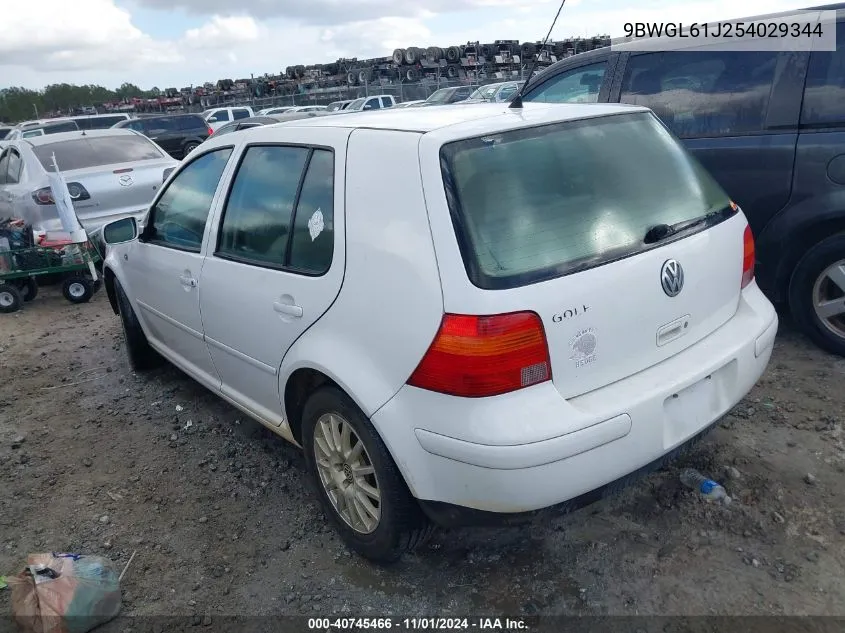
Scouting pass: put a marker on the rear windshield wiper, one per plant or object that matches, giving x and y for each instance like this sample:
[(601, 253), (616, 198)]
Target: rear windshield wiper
[(660, 232)]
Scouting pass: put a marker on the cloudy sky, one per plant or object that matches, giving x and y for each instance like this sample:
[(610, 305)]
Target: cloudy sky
[(182, 42)]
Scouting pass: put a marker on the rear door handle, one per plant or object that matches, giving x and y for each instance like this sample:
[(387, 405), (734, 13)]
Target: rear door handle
[(190, 282), (286, 308)]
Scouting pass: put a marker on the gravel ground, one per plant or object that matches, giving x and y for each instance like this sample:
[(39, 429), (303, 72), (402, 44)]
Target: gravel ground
[(96, 459)]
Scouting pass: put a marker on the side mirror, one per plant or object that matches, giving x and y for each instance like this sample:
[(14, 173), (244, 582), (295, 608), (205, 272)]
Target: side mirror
[(120, 231)]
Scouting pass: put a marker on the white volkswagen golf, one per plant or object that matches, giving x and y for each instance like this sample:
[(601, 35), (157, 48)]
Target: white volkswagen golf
[(461, 314)]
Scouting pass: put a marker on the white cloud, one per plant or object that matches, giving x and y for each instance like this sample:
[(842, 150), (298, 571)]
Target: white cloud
[(84, 34), (94, 41), (222, 32)]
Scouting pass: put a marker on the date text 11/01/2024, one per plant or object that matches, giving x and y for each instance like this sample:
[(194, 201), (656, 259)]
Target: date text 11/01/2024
[(416, 624)]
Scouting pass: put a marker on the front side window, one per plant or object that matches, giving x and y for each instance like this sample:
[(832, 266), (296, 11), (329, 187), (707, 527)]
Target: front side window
[(257, 219), (703, 93), (373, 104), (538, 203), (95, 151), (179, 216), (579, 85), (824, 92)]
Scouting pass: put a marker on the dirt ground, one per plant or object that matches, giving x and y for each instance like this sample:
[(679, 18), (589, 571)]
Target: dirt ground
[(96, 459)]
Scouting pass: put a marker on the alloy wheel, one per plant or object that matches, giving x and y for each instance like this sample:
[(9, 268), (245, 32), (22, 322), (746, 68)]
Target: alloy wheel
[(829, 298), (346, 473)]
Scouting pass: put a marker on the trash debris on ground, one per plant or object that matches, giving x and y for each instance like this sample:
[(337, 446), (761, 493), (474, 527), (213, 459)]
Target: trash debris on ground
[(179, 408), (57, 593), (3, 584), (707, 488)]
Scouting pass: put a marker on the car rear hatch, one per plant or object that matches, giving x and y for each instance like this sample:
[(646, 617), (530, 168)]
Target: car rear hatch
[(606, 228), (109, 177)]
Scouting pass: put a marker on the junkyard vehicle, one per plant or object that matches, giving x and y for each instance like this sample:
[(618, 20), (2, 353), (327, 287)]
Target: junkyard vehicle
[(769, 126), (176, 134), (471, 358), (55, 126), (499, 92), (334, 106), (217, 117), (445, 96), (110, 173), (376, 102), (270, 119)]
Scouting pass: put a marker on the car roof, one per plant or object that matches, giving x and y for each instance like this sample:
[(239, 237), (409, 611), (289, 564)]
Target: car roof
[(68, 136), (462, 120)]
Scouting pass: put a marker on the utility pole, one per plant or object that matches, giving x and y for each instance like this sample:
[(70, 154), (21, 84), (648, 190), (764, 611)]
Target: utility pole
[(34, 107)]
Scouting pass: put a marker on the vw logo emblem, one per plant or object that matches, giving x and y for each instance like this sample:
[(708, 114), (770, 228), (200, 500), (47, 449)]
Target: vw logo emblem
[(672, 277), (125, 180)]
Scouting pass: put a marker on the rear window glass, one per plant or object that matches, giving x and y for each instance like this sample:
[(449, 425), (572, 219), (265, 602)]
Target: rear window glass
[(93, 151), (542, 202)]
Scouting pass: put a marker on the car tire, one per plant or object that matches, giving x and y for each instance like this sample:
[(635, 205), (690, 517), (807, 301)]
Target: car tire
[(189, 147), (811, 286), (28, 288), (142, 357), (10, 298), (78, 289), (401, 525)]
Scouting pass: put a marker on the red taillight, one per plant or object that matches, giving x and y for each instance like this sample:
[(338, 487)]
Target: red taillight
[(210, 131), (76, 190), (476, 356), (747, 257)]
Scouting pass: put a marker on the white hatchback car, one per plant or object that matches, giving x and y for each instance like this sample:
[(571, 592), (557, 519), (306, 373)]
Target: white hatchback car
[(461, 313)]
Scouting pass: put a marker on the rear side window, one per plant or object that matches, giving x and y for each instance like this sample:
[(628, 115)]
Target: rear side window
[(578, 85), (275, 216), (257, 220), (824, 93), (386, 102), (312, 245), (163, 125), (703, 93), (240, 114), (95, 151), (13, 174), (4, 132), (190, 123), (542, 202)]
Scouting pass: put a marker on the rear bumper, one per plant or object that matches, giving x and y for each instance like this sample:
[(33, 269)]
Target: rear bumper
[(539, 450)]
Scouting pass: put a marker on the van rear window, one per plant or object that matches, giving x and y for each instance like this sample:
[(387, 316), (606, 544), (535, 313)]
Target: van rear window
[(542, 202)]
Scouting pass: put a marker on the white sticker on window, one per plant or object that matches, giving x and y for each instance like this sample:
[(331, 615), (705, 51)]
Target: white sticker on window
[(315, 224)]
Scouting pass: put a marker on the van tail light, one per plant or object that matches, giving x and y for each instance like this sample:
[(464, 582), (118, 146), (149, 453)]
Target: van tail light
[(477, 356), (77, 192), (747, 257)]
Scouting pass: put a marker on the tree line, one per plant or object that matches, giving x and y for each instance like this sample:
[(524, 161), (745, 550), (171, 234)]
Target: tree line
[(20, 104)]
